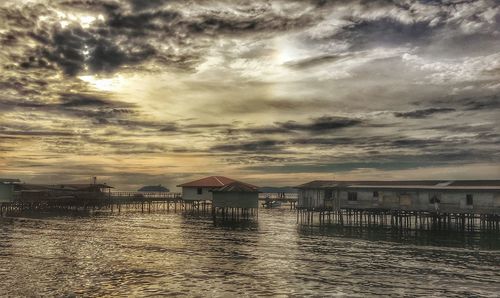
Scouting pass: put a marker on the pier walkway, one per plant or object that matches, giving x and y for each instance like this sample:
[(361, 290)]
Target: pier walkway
[(114, 201), (400, 219)]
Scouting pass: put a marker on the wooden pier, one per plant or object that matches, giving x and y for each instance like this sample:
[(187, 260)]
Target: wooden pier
[(113, 202), (234, 214), (129, 202), (400, 219)]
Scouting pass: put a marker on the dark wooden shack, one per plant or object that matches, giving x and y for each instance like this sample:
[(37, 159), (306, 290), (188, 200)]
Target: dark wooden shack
[(236, 195), (71, 193)]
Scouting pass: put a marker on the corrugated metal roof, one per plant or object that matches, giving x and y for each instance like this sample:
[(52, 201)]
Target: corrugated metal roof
[(237, 186), (442, 184), (437, 187)]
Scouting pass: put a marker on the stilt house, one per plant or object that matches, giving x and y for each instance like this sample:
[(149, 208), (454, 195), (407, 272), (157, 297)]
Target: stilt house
[(236, 195), (472, 196), (201, 189)]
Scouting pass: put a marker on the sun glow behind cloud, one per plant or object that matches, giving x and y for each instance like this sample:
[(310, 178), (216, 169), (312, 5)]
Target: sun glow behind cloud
[(84, 20), (112, 84)]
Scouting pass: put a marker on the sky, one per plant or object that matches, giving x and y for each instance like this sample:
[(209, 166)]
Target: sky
[(269, 92)]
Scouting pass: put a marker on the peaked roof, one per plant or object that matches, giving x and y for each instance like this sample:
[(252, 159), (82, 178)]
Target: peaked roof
[(213, 181), (154, 188), (237, 186), (444, 184)]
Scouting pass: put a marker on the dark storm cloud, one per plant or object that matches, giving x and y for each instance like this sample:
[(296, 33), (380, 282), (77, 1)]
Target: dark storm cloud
[(365, 34), (169, 127), (102, 48), (70, 103), (123, 146), (94, 108), (476, 103), (254, 146), (477, 139), (130, 38), (441, 29), (385, 162), (76, 49), (423, 113), (419, 143), (26, 130), (485, 103), (259, 22), (321, 124), (314, 61), (259, 159), (330, 142), (338, 167), (315, 125), (144, 23), (366, 143), (141, 4), (86, 100), (208, 125), (259, 105), (91, 5), (50, 133), (381, 142)]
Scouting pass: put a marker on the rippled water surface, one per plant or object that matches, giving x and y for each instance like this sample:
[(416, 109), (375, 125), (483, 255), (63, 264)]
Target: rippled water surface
[(134, 254)]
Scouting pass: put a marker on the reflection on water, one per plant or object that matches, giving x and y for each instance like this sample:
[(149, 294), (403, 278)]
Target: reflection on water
[(138, 254), (488, 240)]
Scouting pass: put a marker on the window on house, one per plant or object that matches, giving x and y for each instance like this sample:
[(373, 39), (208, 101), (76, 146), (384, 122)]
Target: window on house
[(434, 199), (199, 190), (469, 199), (375, 194), (328, 194), (352, 196)]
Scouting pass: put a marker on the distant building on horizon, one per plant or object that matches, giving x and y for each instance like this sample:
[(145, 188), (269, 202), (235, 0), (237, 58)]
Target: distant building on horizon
[(153, 188)]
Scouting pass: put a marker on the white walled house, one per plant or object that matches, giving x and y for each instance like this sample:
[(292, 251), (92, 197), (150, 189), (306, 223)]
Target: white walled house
[(465, 196), (201, 190)]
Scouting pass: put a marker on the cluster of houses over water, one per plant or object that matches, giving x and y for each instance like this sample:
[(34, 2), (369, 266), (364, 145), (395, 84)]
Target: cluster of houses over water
[(468, 196), (221, 191)]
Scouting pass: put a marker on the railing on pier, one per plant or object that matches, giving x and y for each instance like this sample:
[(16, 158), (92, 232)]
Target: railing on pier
[(176, 195), (146, 195), (400, 219)]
